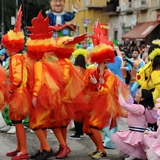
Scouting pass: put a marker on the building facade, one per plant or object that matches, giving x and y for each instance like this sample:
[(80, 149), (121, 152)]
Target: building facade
[(134, 20), (90, 11)]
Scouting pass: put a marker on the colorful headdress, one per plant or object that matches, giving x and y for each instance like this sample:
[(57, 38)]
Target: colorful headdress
[(65, 46), (40, 40), (14, 39), (103, 50), (101, 53), (156, 51), (80, 51)]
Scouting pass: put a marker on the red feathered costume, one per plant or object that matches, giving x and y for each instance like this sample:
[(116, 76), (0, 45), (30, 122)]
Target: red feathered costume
[(102, 87), (19, 98)]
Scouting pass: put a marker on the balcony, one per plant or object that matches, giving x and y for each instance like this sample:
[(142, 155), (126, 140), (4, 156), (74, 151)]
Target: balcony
[(154, 3), (140, 4), (127, 7), (111, 10), (94, 3)]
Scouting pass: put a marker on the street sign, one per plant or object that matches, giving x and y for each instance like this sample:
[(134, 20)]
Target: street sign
[(13, 20), (86, 21)]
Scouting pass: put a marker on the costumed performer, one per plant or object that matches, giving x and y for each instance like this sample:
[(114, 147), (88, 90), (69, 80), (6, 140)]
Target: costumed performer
[(5, 113), (46, 83), (19, 98), (155, 74), (71, 94), (102, 87), (149, 75)]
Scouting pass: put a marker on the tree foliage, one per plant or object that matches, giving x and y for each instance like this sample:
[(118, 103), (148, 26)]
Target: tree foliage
[(31, 9)]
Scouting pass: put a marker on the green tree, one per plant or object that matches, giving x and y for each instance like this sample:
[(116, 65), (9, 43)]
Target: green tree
[(31, 9)]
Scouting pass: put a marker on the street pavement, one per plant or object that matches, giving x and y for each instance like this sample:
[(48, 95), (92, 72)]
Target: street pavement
[(79, 148)]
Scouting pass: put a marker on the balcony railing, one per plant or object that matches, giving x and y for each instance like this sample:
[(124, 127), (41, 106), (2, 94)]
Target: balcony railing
[(140, 4), (154, 3), (94, 3), (127, 6), (111, 9)]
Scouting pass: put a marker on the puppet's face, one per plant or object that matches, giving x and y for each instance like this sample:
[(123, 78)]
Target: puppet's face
[(57, 5)]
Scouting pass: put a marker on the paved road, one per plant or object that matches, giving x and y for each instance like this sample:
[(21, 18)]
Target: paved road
[(80, 148)]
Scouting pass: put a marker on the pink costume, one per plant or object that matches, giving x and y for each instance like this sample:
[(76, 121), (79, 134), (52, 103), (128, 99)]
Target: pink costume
[(129, 141), (152, 139)]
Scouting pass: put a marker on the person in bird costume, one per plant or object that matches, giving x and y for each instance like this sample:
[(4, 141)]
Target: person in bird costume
[(71, 94), (45, 83), (19, 99), (102, 87)]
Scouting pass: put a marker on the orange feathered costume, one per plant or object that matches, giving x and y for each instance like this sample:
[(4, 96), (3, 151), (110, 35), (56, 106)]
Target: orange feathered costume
[(47, 79), (103, 103), (19, 106)]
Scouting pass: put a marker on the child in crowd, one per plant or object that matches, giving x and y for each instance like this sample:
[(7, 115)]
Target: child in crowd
[(129, 142)]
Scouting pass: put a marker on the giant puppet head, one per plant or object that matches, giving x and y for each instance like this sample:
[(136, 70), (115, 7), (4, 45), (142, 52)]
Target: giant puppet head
[(57, 6)]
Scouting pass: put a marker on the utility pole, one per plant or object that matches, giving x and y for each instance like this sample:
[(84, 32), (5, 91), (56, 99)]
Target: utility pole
[(2, 25), (16, 8)]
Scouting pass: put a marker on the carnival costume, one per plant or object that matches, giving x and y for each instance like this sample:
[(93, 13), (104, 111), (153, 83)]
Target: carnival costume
[(19, 98), (3, 88), (146, 77), (152, 139), (71, 94), (103, 91), (155, 74), (46, 82)]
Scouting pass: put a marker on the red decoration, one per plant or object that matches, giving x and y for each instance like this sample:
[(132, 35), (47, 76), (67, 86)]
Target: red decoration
[(138, 77), (18, 24), (13, 45), (76, 39), (40, 28), (60, 27), (100, 35), (107, 54)]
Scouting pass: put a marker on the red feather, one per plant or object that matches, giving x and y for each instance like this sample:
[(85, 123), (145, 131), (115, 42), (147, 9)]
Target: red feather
[(18, 24), (76, 39), (40, 27), (100, 35)]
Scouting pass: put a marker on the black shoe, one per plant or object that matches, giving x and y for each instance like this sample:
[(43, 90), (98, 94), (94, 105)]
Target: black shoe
[(36, 155), (107, 147), (76, 137), (45, 155)]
